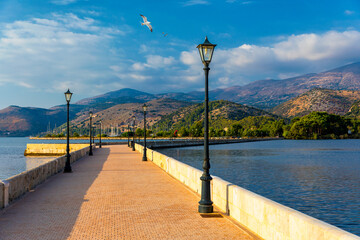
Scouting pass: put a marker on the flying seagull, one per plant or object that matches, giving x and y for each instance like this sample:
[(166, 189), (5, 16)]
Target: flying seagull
[(146, 22)]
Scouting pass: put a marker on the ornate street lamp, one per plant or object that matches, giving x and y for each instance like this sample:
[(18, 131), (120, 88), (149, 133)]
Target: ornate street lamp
[(90, 128), (144, 152), (133, 144), (206, 51), (67, 168), (100, 134)]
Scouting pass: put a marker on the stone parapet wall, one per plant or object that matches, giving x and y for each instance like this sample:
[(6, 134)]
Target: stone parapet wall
[(19, 184), (2, 198), (263, 217)]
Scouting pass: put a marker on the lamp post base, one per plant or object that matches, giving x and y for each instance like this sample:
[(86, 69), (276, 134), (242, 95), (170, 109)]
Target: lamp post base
[(205, 204), (206, 209), (144, 159), (67, 169)]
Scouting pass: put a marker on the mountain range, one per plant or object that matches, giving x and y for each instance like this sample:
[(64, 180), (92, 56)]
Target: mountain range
[(264, 94)]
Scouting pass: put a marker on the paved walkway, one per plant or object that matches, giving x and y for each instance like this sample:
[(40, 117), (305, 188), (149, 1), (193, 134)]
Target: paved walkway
[(112, 195)]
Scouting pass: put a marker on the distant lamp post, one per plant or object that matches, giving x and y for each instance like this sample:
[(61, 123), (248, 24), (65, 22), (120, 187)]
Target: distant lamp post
[(67, 168), (133, 144), (93, 134), (100, 134), (90, 128), (206, 51), (144, 152), (128, 135)]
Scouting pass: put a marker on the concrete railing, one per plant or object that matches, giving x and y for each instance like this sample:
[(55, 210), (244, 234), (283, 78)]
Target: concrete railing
[(263, 217), (16, 186)]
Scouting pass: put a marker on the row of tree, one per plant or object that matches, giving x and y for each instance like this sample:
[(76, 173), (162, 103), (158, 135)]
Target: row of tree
[(316, 125)]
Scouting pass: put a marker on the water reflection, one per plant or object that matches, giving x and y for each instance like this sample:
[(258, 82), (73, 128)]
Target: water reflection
[(319, 178)]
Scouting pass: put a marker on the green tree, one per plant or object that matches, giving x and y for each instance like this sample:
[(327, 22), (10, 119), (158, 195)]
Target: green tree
[(139, 132), (196, 129), (183, 132)]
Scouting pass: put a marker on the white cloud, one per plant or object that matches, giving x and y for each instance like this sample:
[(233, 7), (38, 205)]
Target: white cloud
[(196, 2), (63, 2), (348, 12), (242, 2), (190, 58), (315, 47), (155, 62), (138, 66)]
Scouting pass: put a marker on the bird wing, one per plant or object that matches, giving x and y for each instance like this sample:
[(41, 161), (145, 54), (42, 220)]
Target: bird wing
[(150, 27), (144, 18)]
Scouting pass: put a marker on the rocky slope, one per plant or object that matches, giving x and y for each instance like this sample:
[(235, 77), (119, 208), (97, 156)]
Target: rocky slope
[(324, 100)]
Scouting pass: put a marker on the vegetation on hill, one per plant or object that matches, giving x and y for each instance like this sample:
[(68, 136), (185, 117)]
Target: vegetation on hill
[(354, 111), (221, 114)]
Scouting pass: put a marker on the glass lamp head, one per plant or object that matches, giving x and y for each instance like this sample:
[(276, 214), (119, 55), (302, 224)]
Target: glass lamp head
[(144, 107), (206, 51), (68, 95)]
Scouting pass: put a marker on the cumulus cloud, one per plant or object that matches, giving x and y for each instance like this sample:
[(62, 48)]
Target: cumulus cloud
[(66, 50), (291, 56)]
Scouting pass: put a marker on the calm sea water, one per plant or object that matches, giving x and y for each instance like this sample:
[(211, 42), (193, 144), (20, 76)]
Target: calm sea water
[(13, 161), (320, 178)]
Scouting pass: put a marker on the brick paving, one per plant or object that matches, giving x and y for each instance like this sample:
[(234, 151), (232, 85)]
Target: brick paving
[(112, 195)]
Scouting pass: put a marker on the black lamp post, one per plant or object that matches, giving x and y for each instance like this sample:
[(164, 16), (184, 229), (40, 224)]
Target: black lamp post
[(67, 168), (90, 127), (100, 134), (206, 51), (133, 145), (144, 152), (128, 135)]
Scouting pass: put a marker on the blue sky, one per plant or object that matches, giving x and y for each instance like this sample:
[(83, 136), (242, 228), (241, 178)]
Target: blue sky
[(93, 47)]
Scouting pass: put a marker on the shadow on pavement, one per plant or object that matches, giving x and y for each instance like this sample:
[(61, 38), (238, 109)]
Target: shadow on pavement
[(51, 210)]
